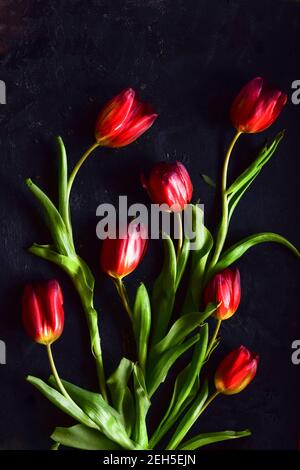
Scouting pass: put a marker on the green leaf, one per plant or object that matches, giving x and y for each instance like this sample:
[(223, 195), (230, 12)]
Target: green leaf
[(122, 399), (194, 370), (186, 385), (54, 220), (158, 372), (209, 438), (236, 197), (202, 246), (236, 251), (142, 402), (254, 169), (82, 437), (189, 419), (142, 323), (97, 409), (61, 402), (208, 180), (163, 294), (182, 261), (244, 181), (182, 328), (63, 203)]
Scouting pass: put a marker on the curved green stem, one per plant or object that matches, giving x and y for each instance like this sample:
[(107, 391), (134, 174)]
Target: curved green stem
[(223, 228), (213, 339), (121, 289), (208, 401), (56, 376), (78, 166)]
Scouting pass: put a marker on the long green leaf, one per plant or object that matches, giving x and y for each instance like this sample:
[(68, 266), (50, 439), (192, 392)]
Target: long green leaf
[(61, 402), (254, 169), (185, 387), (163, 294), (82, 437), (54, 220), (189, 419), (158, 372), (142, 401), (236, 197), (182, 261), (107, 418), (182, 328), (142, 323), (204, 439), (63, 204), (236, 251), (202, 246), (244, 181), (120, 393)]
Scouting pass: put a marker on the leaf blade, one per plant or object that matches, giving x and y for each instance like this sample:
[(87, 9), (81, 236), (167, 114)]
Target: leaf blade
[(82, 437), (163, 293), (209, 438), (142, 323), (236, 251)]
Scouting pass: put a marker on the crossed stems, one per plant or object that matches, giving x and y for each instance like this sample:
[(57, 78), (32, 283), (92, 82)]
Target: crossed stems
[(220, 240), (219, 245)]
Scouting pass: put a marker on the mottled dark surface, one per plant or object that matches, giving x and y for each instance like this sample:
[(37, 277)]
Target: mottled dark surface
[(188, 58)]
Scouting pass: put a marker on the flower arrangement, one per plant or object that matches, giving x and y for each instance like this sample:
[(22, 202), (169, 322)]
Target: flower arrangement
[(115, 415)]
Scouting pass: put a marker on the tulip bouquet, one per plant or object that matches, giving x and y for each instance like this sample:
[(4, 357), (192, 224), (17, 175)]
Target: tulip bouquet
[(116, 415)]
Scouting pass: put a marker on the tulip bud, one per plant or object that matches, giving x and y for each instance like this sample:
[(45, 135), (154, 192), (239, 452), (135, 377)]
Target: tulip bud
[(236, 371), (257, 106), (224, 289), (120, 256), (42, 312), (123, 119), (170, 184)]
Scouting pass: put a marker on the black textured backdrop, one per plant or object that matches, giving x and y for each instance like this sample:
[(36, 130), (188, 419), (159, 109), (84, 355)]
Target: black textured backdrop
[(61, 61)]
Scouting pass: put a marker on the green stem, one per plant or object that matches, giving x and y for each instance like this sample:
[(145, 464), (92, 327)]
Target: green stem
[(56, 376), (178, 220), (121, 289), (208, 401), (78, 166), (88, 305), (223, 228), (213, 339)]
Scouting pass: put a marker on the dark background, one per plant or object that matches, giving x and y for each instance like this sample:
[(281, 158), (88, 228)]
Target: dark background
[(61, 61)]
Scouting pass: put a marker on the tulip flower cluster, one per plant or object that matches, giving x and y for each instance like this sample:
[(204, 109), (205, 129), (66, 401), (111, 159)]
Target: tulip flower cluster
[(212, 292)]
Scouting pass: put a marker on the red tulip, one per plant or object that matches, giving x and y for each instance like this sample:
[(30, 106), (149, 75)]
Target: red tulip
[(225, 290), (257, 106), (236, 371), (120, 256), (123, 119), (42, 312), (169, 183)]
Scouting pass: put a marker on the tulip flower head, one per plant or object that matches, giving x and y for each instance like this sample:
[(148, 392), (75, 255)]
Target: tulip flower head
[(123, 119), (224, 289), (120, 256), (236, 371), (170, 184), (42, 312), (257, 106)]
